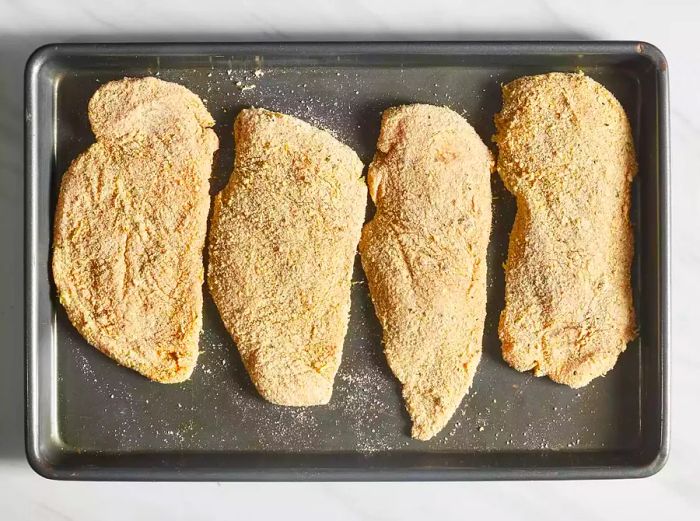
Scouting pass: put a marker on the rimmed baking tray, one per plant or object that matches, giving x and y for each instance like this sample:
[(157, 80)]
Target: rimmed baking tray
[(88, 418)]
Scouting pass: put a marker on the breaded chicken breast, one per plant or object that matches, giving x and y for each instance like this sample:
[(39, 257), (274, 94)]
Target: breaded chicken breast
[(567, 154), (424, 253), (281, 249), (130, 227)]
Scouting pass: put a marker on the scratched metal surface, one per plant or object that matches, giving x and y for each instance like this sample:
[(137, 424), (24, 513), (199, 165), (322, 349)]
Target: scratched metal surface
[(100, 409)]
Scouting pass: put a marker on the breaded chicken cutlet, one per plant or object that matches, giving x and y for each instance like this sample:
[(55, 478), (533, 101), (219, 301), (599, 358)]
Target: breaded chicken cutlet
[(282, 244), (424, 253), (567, 154), (130, 227)]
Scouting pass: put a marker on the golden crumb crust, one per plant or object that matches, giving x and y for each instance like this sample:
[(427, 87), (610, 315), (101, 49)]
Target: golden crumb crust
[(424, 253), (281, 252), (566, 152), (130, 227)]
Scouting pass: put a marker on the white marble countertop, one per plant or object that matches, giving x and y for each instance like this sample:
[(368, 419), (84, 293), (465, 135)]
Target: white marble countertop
[(672, 26)]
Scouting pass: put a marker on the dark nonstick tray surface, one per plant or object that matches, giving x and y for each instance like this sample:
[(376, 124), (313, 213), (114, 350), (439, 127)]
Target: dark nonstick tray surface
[(88, 418)]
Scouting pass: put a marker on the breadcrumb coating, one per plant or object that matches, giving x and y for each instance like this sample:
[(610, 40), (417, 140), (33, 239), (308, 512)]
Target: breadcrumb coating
[(424, 254), (281, 249), (130, 227), (566, 152)]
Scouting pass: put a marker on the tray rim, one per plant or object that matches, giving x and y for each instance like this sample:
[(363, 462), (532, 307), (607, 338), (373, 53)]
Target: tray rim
[(649, 465)]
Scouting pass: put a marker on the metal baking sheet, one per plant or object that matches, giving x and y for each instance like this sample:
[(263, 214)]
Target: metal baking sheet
[(88, 418)]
